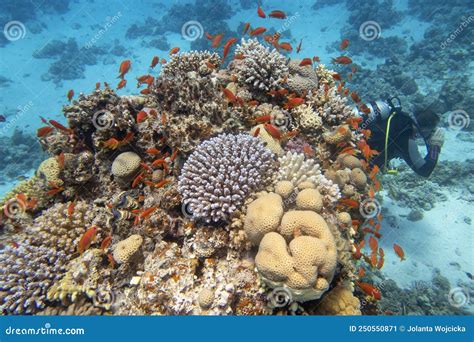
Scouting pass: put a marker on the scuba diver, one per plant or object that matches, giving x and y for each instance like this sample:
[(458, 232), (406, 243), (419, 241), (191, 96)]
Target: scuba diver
[(394, 133)]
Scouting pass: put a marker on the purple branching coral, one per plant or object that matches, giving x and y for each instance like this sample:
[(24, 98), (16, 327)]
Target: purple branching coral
[(221, 173), (26, 274)]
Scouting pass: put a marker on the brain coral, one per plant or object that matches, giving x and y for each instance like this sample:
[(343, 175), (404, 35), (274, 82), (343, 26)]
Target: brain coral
[(125, 166), (262, 68), (221, 173)]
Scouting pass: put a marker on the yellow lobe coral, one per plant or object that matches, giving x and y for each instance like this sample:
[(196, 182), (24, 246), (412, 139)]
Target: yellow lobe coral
[(263, 216), (340, 301), (309, 199), (304, 267), (284, 188)]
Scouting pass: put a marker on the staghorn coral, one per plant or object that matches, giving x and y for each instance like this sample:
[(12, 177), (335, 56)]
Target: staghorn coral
[(331, 107), (262, 69), (221, 173)]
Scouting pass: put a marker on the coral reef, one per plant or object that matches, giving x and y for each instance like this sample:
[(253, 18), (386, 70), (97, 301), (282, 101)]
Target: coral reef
[(220, 184)]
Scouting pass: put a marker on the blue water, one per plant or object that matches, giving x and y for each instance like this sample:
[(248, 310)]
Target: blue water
[(49, 47)]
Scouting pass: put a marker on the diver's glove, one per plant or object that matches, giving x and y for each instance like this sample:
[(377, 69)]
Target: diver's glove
[(437, 138)]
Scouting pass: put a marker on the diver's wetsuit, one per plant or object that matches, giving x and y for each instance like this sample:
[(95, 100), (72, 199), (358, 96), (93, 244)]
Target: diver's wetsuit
[(401, 143)]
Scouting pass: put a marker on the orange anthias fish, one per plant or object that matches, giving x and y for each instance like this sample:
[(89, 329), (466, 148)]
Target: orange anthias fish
[(285, 46), (306, 61), (370, 290), (153, 151), (216, 41), (344, 44), (227, 46), (112, 143), (174, 50), (246, 29), (349, 202), (43, 131), (106, 243), (111, 260), (229, 95), (308, 150), (260, 12), (316, 59), (141, 116), (294, 102), (147, 212), (70, 209), (97, 86), (361, 272), (373, 244), (87, 239), (121, 84), (258, 31), (60, 127), (154, 61), (272, 130), (355, 97), (277, 14), (342, 60), (337, 77), (256, 132), (374, 172), (263, 118), (124, 68), (399, 251), (70, 94), (60, 158)]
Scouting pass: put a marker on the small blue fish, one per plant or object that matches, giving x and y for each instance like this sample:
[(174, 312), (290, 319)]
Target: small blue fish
[(3, 118)]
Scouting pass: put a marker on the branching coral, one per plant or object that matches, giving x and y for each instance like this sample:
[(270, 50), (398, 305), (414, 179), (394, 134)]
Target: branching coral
[(262, 69), (26, 274), (294, 168), (217, 178)]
